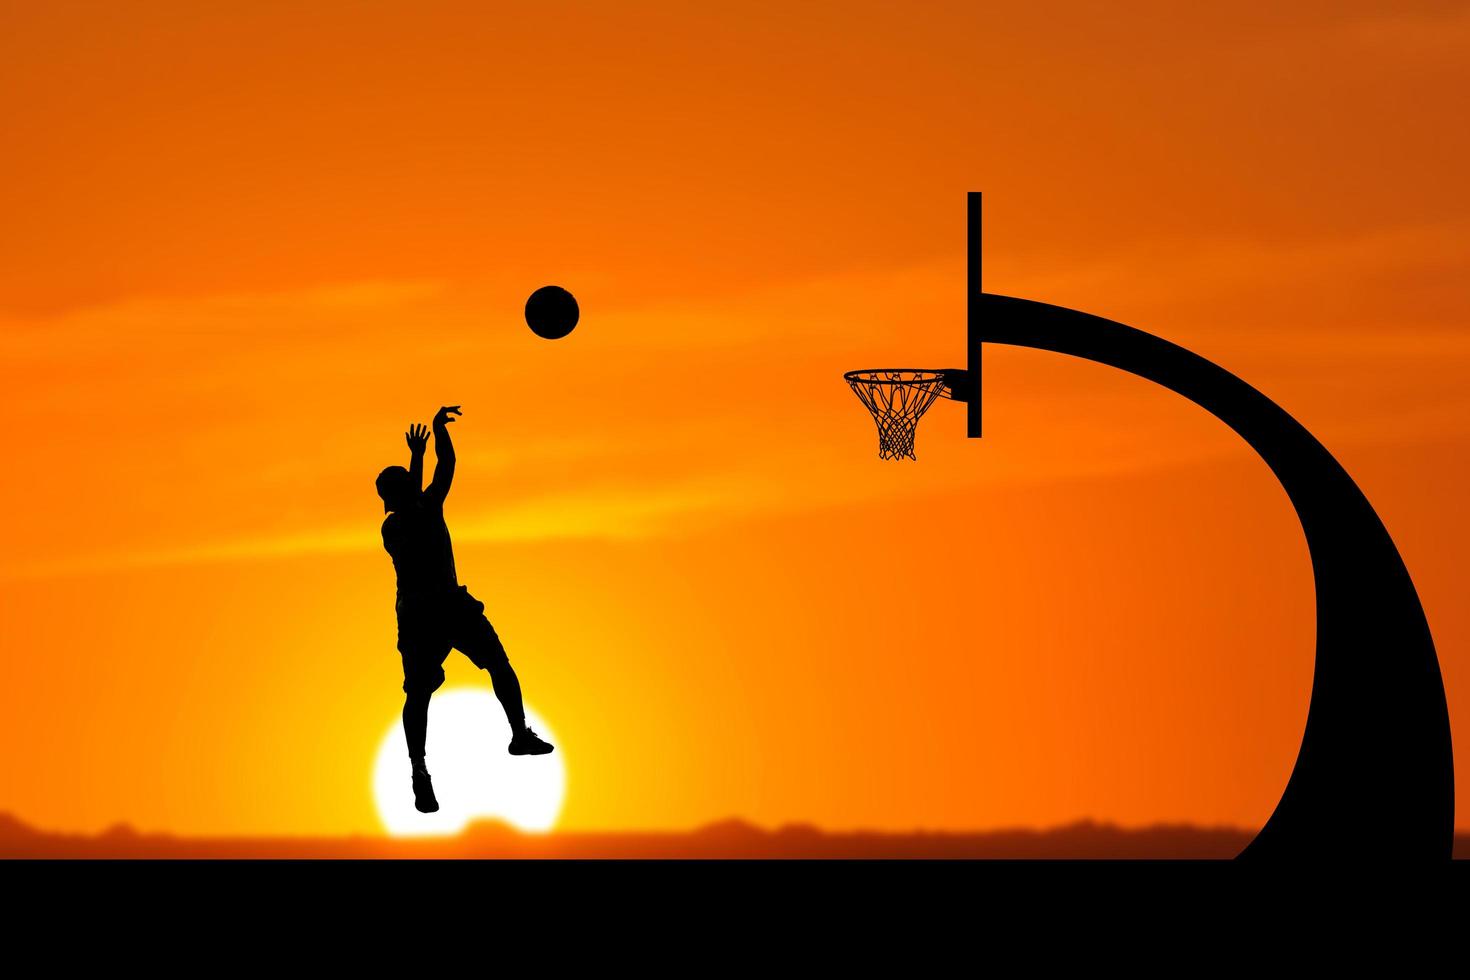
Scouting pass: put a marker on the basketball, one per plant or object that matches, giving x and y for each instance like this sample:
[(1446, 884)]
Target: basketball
[(551, 312)]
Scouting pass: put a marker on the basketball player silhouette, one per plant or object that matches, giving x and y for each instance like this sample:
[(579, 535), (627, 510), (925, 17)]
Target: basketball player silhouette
[(435, 612)]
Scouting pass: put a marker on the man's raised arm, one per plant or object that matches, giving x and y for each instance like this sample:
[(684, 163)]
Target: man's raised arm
[(418, 441), (443, 453)]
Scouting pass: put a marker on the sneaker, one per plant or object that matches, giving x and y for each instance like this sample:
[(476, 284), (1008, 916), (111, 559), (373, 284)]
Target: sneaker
[(527, 742), (423, 791)]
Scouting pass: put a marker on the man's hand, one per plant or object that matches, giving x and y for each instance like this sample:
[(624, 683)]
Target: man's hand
[(418, 438), (446, 415)]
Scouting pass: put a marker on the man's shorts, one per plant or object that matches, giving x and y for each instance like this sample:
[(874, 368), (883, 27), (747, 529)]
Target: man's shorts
[(428, 627)]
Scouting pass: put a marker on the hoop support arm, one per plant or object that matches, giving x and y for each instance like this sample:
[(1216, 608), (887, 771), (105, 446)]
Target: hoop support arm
[(956, 384), (1374, 778)]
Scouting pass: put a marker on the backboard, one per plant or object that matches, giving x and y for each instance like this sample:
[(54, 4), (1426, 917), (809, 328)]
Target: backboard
[(972, 315)]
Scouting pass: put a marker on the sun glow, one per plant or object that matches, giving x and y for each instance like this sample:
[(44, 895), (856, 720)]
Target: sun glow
[(474, 776)]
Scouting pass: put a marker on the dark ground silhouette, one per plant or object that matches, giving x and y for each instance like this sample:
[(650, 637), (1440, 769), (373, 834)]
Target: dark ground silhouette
[(726, 839)]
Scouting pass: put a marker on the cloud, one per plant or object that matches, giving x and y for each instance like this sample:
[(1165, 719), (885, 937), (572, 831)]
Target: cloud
[(240, 426), (1418, 37), (1364, 281)]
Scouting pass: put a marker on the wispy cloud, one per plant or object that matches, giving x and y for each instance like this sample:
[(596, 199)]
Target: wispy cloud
[(256, 416)]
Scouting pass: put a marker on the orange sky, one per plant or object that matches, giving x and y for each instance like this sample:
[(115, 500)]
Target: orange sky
[(245, 247)]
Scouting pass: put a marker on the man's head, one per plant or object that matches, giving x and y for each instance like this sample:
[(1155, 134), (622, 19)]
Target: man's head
[(395, 486)]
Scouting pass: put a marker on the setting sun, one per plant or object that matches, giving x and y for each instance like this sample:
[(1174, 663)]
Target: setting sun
[(474, 776)]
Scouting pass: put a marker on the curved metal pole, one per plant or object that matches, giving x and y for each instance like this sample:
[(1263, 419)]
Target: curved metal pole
[(1375, 774)]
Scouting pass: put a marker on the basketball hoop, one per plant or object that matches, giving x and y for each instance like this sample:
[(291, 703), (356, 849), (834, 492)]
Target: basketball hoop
[(898, 398)]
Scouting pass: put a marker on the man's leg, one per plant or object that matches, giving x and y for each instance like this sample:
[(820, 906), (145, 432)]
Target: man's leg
[(423, 673), (416, 723), (507, 684), (479, 641)]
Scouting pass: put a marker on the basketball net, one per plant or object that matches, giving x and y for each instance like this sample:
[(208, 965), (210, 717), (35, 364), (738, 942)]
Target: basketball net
[(898, 398)]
